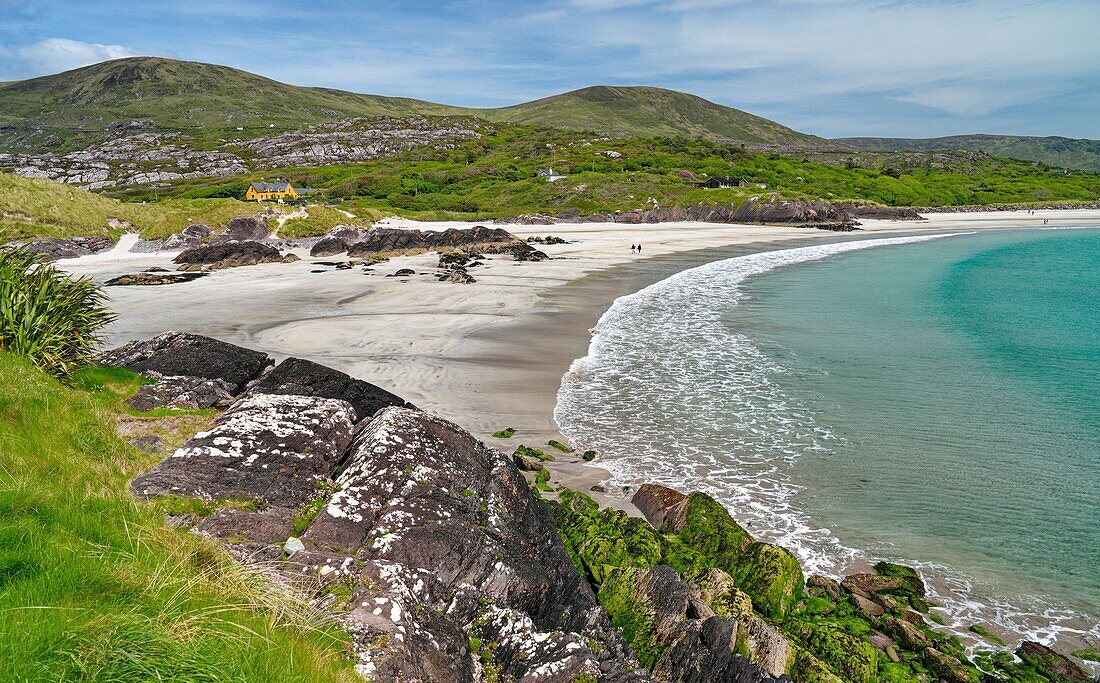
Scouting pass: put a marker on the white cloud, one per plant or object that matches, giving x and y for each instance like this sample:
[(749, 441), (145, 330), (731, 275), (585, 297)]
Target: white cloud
[(61, 54)]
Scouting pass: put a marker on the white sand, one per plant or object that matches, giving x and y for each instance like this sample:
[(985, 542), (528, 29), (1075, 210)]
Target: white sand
[(487, 355)]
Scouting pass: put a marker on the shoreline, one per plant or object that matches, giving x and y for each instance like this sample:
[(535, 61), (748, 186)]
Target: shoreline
[(489, 355)]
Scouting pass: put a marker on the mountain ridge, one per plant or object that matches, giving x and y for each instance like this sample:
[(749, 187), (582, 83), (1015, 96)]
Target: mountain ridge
[(67, 111)]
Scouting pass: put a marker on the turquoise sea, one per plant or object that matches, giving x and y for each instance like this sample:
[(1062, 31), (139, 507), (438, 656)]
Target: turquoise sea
[(933, 401)]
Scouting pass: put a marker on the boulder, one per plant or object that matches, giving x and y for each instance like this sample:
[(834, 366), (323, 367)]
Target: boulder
[(329, 246), (1056, 666), (299, 377), (654, 500), (902, 573), (244, 229), (455, 562), (600, 538), (819, 584), (525, 252), (152, 279), (457, 275), (395, 241), (190, 237), (709, 536), (949, 669), (190, 355), (57, 248), (403, 272), (230, 254), (268, 448), (182, 392)]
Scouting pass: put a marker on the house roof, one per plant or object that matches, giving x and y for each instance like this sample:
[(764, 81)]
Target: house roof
[(280, 186)]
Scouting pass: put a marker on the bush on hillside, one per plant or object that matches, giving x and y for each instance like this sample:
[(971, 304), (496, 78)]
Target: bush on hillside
[(46, 315)]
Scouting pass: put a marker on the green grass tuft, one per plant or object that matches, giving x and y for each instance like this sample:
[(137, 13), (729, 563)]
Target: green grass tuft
[(95, 587), (47, 316)]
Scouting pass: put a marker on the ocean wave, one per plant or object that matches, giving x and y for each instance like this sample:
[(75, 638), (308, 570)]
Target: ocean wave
[(669, 393)]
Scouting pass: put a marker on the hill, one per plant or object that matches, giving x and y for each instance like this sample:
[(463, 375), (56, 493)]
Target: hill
[(65, 111), (647, 111), (1074, 153)]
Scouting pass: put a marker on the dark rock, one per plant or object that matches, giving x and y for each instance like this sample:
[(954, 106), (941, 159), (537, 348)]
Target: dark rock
[(868, 584), (152, 279), (948, 668), (526, 464), (190, 237), (267, 527), (190, 355), (265, 447), (229, 254), (910, 636), (907, 574), (654, 500), (525, 252), (403, 272), (394, 241), (458, 276), (295, 376), (868, 607), (446, 533), (549, 239), (244, 229), (329, 246), (348, 233), (879, 212), (56, 248), (182, 392), (1056, 666), (825, 585)]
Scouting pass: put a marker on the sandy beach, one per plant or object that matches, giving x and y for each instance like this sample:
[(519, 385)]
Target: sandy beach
[(489, 355)]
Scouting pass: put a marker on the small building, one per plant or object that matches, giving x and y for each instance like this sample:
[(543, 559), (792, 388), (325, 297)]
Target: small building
[(550, 175), (279, 191), (715, 183)]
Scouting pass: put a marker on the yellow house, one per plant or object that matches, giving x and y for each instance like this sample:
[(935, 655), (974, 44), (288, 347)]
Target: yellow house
[(260, 191)]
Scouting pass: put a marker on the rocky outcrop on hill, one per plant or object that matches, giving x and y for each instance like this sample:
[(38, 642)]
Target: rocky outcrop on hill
[(230, 254), (359, 139), (56, 248), (396, 241), (128, 158), (137, 157)]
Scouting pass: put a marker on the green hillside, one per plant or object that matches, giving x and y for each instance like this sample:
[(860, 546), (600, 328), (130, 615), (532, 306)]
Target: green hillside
[(1055, 151), (647, 111), (47, 112), (66, 110)]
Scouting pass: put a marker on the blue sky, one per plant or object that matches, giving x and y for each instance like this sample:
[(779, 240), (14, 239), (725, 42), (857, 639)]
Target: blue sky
[(830, 67)]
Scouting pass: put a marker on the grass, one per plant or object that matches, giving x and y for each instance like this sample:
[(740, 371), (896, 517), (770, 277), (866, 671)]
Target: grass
[(47, 316), (93, 586), (31, 207)]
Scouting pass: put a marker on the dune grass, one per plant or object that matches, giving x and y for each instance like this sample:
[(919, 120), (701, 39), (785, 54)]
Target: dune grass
[(31, 207), (93, 585)]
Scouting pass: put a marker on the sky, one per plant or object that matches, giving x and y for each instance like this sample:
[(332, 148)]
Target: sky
[(898, 68)]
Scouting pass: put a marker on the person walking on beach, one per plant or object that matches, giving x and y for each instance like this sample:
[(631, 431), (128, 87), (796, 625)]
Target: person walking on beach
[(639, 248), (632, 247)]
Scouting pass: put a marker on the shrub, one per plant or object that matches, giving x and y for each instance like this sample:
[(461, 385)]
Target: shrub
[(46, 315)]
